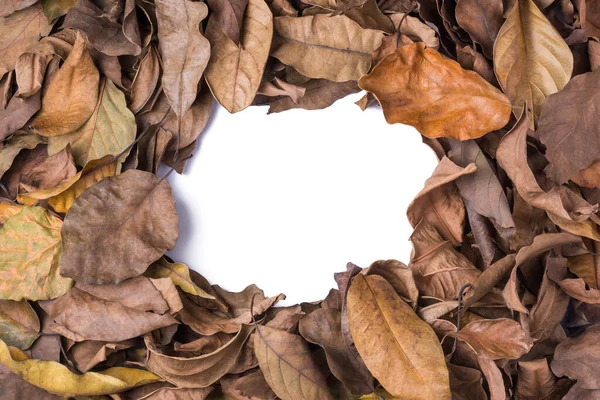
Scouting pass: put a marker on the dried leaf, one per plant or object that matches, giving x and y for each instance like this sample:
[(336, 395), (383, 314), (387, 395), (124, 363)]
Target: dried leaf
[(142, 225), (19, 31), (179, 274), (482, 19), (71, 95), (235, 70), (19, 324), (109, 131), (184, 50), (576, 358), (571, 137), (535, 380), (65, 383), (289, 369), (401, 351), (342, 54), (30, 250), (531, 59), (319, 94)]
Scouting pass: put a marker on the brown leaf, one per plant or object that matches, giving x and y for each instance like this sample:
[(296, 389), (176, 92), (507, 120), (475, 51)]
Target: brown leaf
[(184, 50), (531, 59), (145, 81), (104, 34), (288, 367), (419, 87), (88, 354), (20, 30), (481, 189), (71, 95), (474, 61), (439, 202), (141, 226), (466, 383), (577, 358), (16, 388), (438, 269), (324, 328), (30, 250), (10, 6), (19, 141), (30, 70), (416, 30), (401, 351), (571, 137), (18, 111), (57, 8), (234, 71), (249, 386), (19, 324), (482, 19), (496, 338), (49, 173), (343, 54), (559, 200), (493, 376), (319, 94), (535, 380), (229, 16), (586, 267), (110, 313), (398, 275), (196, 372), (549, 309), (574, 287)]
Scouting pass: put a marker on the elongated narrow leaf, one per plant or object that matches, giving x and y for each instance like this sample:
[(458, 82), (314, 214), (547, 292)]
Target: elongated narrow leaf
[(400, 349)]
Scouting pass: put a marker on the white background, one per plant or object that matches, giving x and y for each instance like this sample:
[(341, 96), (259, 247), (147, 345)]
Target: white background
[(285, 200)]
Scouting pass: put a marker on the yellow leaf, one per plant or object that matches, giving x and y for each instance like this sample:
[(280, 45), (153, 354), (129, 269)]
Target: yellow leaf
[(8, 210), (56, 378), (62, 197), (401, 350), (179, 274), (30, 250), (531, 59)]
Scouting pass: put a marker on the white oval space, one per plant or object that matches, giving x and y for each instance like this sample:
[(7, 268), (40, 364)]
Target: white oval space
[(285, 200)]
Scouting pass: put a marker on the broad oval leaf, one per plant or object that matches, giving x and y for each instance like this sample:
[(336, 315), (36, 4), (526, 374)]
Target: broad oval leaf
[(19, 324), (66, 383), (124, 223), (285, 360), (30, 250), (420, 87), (496, 338), (234, 71), (400, 349), (109, 131), (322, 46), (71, 95), (531, 59), (185, 51)]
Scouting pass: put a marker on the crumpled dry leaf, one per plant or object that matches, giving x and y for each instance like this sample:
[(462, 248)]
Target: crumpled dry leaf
[(289, 369), (184, 50), (324, 328), (235, 70), (65, 383), (342, 56), (318, 94), (512, 157), (30, 250), (401, 351), (20, 30), (50, 172), (535, 381), (531, 59), (179, 274), (196, 372), (419, 87), (439, 202), (71, 95), (482, 20), (143, 218)]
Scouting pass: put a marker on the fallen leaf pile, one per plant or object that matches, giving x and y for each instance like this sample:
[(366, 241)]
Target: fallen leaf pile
[(501, 298)]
